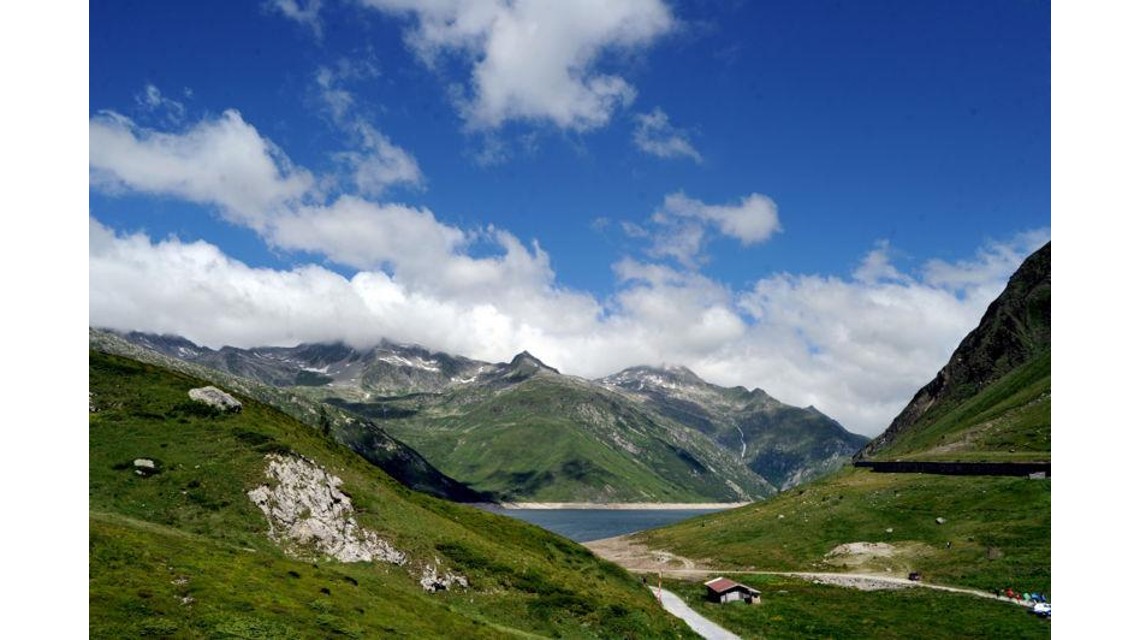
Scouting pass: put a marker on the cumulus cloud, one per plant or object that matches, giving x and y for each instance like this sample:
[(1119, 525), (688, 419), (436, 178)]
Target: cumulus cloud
[(876, 265), (193, 289), (379, 164), (220, 161), (681, 225), (857, 348), (531, 59), (654, 135)]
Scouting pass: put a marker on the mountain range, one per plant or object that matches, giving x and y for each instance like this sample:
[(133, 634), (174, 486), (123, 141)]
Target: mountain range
[(646, 434)]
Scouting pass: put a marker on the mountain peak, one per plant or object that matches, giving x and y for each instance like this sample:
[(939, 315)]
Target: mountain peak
[(525, 365), (665, 376)]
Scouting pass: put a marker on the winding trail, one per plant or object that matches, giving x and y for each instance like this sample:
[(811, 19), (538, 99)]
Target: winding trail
[(638, 558), (703, 626)]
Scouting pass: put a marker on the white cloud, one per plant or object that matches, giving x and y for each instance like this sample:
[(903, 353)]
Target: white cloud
[(152, 101), (857, 349), (377, 163), (682, 223), (654, 135), (532, 59), (380, 164), (221, 161), (989, 262), (305, 12), (876, 265)]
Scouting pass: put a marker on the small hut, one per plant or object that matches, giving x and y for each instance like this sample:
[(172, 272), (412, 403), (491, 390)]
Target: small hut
[(725, 590)]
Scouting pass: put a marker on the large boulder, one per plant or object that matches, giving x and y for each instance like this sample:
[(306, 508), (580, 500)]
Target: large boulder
[(216, 398)]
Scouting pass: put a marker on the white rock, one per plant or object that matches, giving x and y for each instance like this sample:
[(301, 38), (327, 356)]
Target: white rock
[(307, 509), (432, 580), (216, 398)]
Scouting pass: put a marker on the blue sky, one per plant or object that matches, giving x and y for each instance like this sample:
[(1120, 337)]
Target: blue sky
[(818, 199)]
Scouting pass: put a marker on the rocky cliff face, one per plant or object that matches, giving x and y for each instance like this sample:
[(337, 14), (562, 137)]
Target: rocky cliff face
[(1014, 330)]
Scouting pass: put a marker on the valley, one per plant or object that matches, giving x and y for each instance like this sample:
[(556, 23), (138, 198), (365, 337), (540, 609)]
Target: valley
[(179, 486), (646, 434)]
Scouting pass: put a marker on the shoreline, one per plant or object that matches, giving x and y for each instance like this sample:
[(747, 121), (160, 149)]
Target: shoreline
[(615, 506)]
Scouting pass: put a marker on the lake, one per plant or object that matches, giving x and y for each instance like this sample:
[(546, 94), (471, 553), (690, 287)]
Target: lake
[(584, 525)]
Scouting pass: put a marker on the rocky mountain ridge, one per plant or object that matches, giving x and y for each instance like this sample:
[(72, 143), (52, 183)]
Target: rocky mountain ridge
[(698, 429), (785, 445)]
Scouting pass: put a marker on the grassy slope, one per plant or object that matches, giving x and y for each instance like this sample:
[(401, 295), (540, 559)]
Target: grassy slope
[(998, 528), (793, 609), (548, 439), (191, 532), (1007, 421), (361, 435)]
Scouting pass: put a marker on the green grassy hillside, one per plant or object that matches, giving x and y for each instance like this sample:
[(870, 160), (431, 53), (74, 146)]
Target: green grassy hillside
[(996, 531), (554, 438), (1009, 420), (181, 551), (358, 433)]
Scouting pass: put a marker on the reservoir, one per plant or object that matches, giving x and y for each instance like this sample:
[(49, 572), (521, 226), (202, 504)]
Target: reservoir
[(584, 525)]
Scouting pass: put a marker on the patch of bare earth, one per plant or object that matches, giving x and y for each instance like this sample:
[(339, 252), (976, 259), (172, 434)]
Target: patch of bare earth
[(876, 557), (638, 558)]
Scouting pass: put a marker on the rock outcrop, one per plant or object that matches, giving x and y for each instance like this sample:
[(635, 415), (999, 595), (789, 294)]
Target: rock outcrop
[(306, 510), (216, 398), (432, 580)]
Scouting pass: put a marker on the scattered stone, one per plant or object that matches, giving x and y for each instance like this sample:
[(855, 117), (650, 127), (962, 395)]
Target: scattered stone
[(91, 408), (145, 467), (306, 509), (890, 530), (940, 520), (187, 601), (780, 517), (216, 398), (431, 580)]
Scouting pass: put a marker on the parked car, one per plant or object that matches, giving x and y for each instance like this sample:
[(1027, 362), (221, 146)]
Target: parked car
[(1043, 609)]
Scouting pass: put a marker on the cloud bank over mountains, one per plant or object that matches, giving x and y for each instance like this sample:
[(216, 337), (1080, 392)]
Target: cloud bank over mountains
[(854, 346)]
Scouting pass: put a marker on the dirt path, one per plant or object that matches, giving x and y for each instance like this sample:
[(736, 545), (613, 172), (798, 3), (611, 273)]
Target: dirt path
[(638, 558)]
